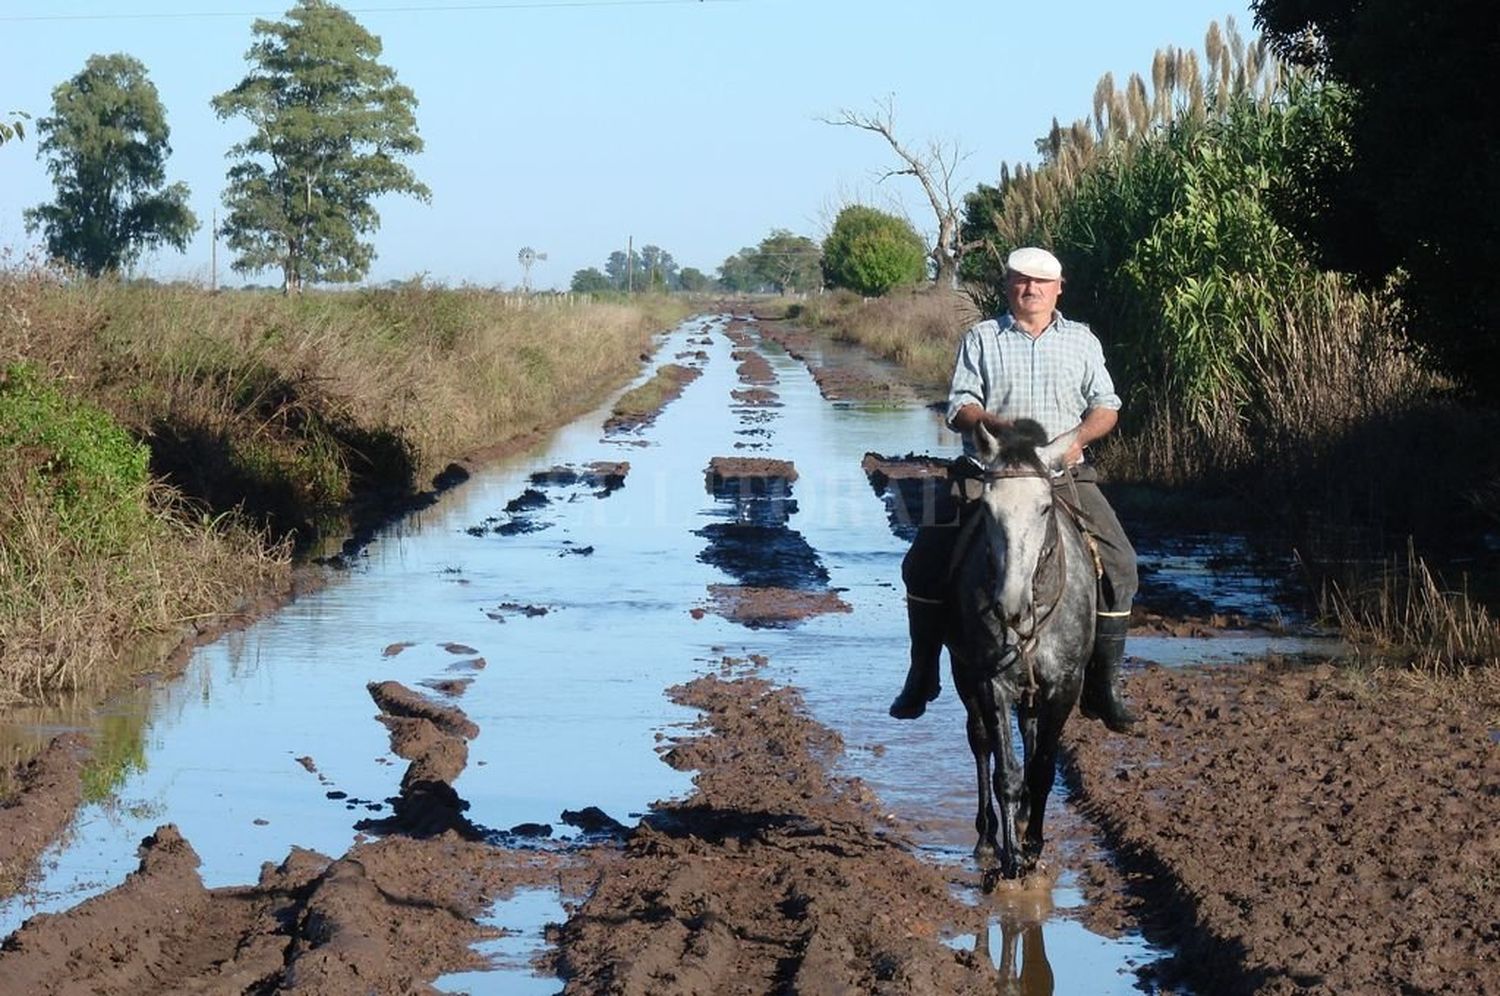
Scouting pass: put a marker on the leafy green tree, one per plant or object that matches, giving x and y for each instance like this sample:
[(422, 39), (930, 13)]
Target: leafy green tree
[(1418, 187), (660, 269), (870, 251), (106, 149), (591, 281), (649, 268), (739, 274), (693, 280), (788, 262), (331, 123), (626, 274), (981, 207)]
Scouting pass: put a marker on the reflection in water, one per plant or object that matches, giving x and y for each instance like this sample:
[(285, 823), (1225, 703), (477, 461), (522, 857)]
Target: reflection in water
[(118, 736), (119, 751), (1014, 943), (29, 726), (1031, 975)]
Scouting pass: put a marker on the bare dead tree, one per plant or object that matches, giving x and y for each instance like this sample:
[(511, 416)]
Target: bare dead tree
[(933, 168)]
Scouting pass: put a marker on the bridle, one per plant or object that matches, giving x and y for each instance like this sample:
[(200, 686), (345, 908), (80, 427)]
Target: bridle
[(1024, 648)]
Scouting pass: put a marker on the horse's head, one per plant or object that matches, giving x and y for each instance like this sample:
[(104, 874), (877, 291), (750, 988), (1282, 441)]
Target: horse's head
[(1019, 465)]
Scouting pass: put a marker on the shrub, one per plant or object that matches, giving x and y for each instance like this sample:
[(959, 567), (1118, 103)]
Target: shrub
[(871, 252), (1168, 210), (75, 458)]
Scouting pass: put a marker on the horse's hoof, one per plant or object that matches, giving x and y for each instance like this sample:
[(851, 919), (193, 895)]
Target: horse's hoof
[(907, 708), (911, 703)]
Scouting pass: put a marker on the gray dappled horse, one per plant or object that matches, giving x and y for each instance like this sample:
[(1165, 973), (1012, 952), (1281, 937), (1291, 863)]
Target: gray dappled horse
[(1020, 632)]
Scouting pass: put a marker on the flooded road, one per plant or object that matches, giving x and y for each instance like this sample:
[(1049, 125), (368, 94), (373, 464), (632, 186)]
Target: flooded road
[(565, 606)]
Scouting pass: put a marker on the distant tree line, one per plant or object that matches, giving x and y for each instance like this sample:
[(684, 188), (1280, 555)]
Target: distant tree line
[(650, 268), (868, 251)]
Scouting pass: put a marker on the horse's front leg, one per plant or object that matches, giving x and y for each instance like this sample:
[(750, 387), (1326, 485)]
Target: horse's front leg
[(1026, 720), (1008, 785), (1041, 772), (985, 824)]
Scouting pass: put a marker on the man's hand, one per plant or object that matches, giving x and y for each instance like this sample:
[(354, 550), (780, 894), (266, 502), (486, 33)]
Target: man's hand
[(971, 415), (1096, 424)]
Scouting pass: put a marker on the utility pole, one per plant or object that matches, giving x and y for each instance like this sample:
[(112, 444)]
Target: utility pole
[(213, 266)]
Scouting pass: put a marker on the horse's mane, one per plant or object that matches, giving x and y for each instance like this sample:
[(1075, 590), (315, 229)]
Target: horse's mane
[(1019, 441)]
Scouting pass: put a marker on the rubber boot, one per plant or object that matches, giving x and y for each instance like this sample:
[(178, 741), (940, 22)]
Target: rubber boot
[(925, 622), (1101, 681)]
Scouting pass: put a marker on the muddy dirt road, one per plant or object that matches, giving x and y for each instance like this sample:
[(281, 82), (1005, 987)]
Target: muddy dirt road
[(611, 720)]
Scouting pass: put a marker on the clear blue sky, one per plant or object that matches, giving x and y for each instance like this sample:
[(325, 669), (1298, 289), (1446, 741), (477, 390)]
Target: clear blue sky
[(570, 125)]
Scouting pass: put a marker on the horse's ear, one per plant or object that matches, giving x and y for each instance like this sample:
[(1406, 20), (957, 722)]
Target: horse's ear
[(985, 444), (1055, 452)]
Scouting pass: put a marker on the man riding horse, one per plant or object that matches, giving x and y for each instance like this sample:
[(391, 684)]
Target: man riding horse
[(1029, 363)]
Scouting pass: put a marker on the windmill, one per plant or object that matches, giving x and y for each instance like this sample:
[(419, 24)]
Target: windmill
[(526, 257)]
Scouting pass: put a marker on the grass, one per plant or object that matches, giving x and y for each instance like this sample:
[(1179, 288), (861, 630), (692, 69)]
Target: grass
[(246, 423), (641, 404), (918, 330), (302, 403), (72, 607), (1407, 618)]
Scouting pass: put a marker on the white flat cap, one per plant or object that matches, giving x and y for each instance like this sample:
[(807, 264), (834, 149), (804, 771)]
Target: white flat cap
[(1034, 262)]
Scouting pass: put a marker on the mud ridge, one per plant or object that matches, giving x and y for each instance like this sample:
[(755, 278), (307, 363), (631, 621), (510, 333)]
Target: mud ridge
[(753, 369), (604, 476), (770, 607), (385, 918), (629, 417), (1306, 829), (771, 877), (43, 794), (781, 581), (434, 738), (836, 382), (912, 487)]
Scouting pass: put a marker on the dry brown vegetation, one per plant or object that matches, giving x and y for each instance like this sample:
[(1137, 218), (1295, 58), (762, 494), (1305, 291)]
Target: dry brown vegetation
[(1408, 617), (917, 330), (444, 370), (69, 614)]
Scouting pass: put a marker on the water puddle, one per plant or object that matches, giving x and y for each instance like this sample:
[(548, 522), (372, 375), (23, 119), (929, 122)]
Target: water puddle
[(523, 917), (557, 596), (1018, 937)]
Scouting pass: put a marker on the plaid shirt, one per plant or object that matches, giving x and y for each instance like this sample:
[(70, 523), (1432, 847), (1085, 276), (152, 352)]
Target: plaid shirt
[(1054, 378)]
